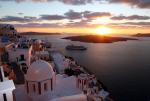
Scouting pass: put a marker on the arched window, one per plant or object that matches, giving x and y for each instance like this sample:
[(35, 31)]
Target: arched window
[(34, 89), (45, 86), (51, 84), (39, 86), (27, 87)]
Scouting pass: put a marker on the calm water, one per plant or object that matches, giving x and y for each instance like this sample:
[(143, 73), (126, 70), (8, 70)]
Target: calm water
[(124, 67)]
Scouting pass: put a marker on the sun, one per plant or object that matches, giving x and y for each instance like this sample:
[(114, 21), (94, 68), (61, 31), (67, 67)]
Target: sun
[(103, 30)]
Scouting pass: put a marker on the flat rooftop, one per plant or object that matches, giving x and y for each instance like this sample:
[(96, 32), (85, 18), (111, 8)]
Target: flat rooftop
[(7, 85)]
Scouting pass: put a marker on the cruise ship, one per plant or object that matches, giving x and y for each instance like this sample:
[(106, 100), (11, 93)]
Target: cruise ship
[(31, 70)]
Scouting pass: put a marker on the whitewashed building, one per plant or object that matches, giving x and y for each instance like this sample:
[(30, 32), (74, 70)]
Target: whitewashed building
[(19, 55), (42, 84), (6, 87)]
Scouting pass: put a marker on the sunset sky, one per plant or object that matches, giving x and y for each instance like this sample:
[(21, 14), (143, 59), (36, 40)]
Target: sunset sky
[(77, 16)]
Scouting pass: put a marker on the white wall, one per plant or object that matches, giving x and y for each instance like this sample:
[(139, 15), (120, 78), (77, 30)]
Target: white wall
[(9, 96), (14, 54), (7, 88)]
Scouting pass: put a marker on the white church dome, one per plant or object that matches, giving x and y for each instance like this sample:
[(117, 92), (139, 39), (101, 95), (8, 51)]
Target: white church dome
[(40, 70)]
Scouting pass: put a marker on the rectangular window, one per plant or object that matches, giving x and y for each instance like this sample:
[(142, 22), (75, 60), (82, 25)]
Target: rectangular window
[(34, 89), (4, 97), (45, 86), (22, 57)]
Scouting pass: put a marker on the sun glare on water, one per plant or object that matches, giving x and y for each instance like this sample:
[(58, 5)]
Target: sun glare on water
[(103, 31)]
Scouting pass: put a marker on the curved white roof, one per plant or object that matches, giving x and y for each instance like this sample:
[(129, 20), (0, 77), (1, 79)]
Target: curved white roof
[(39, 70)]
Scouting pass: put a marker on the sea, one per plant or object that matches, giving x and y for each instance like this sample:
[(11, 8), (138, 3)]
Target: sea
[(123, 67)]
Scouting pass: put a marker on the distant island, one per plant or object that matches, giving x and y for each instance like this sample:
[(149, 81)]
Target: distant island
[(142, 35), (38, 33), (97, 39)]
